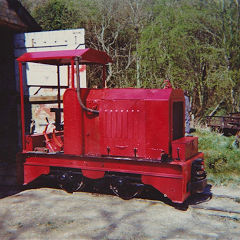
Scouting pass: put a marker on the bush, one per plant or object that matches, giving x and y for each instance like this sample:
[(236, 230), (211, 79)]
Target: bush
[(222, 160)]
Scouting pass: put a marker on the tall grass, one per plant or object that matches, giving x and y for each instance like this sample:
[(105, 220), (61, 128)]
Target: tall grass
[(222, 160)]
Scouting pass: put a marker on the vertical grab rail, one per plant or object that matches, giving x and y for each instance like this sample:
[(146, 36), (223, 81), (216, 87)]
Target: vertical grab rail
[(22, 105)]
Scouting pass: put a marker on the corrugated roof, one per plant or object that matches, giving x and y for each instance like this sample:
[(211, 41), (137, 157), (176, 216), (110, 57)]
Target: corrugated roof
[(14, 16)]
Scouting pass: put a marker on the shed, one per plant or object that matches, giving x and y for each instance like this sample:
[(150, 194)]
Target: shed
[(14, 18)]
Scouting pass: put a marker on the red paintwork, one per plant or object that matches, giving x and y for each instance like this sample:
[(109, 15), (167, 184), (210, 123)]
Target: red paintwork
[(64, 57), (169, 178), (137, 119), (31, 172), (186, 146), (39, 140), (127, 121), (134, 132), (72, 71), (22, 106), (81, 129)]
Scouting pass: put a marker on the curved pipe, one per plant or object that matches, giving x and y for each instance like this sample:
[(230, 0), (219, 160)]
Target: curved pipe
[(78, 89)]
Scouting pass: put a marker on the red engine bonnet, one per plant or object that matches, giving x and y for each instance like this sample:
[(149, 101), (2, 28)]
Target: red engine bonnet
[(131, 122)]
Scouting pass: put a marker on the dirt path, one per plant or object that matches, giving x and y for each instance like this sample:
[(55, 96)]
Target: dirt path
[(47, 213)]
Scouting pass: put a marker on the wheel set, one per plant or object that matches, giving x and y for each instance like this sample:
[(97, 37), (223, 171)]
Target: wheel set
[(121, 186)]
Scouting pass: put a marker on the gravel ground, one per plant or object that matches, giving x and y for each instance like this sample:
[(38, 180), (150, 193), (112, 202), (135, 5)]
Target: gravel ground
[(50, 213)]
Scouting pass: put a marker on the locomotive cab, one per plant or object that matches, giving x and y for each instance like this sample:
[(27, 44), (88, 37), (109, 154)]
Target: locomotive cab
[(131, 137)]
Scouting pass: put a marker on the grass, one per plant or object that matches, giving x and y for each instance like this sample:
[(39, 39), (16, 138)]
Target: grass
[(222, 160)]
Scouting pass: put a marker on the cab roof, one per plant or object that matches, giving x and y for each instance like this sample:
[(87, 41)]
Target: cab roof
[(64, 57)]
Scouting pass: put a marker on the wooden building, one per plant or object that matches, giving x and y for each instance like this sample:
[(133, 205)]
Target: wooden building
[(14, 18)]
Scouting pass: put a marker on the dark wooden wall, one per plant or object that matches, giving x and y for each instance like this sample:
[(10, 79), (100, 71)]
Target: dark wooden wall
[(8, 98)]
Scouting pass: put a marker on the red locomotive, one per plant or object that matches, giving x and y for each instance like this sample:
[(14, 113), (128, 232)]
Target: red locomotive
[(132, 137)]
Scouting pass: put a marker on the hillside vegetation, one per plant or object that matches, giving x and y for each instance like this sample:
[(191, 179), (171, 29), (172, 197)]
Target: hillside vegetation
[(193, 43)]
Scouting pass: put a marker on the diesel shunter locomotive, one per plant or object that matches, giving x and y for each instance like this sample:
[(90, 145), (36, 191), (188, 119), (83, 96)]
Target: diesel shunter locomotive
[(131, 137)]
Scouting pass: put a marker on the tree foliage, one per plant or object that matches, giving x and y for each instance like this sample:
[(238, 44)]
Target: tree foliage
[(55, 14), (194, 44)]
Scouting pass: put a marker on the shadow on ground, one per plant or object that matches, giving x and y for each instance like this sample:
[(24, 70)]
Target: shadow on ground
[(95, 187), (6, 191)]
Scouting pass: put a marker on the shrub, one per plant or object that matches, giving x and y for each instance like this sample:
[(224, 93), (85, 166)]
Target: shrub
[(222, 160)]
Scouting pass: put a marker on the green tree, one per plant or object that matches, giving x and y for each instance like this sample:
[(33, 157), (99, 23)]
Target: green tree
[(193, 43), (184, 43), (229, 10), (110, 26), (55, 15)]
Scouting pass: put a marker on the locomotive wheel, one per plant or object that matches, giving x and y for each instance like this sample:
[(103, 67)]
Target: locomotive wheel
[(125, 189), (70, 182)]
